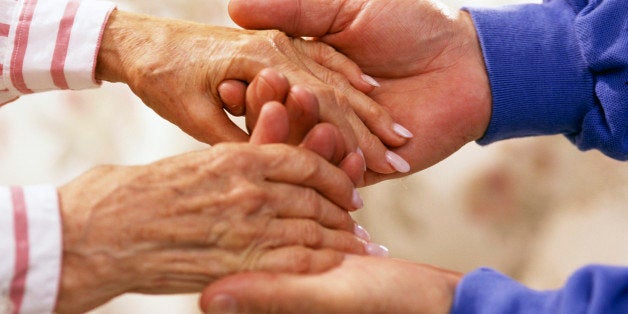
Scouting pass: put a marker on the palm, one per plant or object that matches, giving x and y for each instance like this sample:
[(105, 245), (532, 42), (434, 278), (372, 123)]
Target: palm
[(424, 106), (398, 43), (360, 285), (423, 70)]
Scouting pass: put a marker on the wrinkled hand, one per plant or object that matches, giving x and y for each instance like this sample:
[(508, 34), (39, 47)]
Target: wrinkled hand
[(362, 284), (176, 68), (427, 59), (178, 224)]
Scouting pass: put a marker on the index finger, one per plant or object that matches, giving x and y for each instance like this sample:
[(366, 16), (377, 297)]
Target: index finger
[(295, 165)]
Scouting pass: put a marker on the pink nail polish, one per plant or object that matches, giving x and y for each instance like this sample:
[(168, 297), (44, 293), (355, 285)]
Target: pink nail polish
[(370, 80), (361, 233), (357, 201), (375, 249), (401, 131), (361, 153), (397, 162)]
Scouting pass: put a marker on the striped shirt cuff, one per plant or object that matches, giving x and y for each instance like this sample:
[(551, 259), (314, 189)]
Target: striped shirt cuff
[(50, 44), (30, 229)]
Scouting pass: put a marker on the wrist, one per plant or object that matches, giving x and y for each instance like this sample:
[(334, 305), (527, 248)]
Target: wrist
[(121, 41), (88, 275), (475, 80)]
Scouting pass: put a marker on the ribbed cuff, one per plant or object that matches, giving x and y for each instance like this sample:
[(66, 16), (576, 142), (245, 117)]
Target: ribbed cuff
[(540, 83)]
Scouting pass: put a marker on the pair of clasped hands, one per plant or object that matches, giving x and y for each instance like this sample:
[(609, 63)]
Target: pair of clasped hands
[(379, 90), (431, 79)]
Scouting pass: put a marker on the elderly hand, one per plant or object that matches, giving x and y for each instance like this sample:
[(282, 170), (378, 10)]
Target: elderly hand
[(362, 284), (178, 224), (176, 68), (427, 59)]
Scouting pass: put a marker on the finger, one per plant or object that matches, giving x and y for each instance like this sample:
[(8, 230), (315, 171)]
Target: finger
[(287, 16), (303, 113), (281, 163), (208, 123), (268, 85), (277, 293), (335, 61), (233, 93), (325, 140), (272, 125), (308, 233), (261, 293), (308, 204), (353, 165), (373, 115), (298, 259)]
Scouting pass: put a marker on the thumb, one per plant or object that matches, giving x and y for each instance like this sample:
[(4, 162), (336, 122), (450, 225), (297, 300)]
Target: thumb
[(313, 18), (256, 293)]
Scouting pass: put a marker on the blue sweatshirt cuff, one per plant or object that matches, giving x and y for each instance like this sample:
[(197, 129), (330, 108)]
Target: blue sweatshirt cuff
[(526, 49), (487, 291), (591, 289)]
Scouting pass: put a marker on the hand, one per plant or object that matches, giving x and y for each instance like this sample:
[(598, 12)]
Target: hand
[(427, 59), (175, 225), (176, 67), (301, 111), (362, 284)]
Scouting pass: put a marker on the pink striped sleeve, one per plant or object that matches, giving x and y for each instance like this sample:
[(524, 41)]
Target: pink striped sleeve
[(31, 248), (49, 44)]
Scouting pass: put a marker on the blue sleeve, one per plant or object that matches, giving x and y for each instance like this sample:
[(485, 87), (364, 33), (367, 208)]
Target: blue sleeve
[(560, 67), (592, 289)]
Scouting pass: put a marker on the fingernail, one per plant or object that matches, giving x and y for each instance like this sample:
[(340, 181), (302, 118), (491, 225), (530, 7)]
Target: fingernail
[(357, 201), (371, 81), (401, 131), (375, 249), (222, 303), (397, 162), (361, 232), (361, 153)]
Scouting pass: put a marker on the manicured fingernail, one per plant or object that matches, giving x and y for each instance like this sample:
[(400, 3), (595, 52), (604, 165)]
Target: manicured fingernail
[(361, 232), (375, 249), (222, 303), (397, 162), (401, 131), (361, 153), (371, 81), (357, 201)]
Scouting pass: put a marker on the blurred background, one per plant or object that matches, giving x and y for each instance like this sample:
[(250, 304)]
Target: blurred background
[(535, 209)]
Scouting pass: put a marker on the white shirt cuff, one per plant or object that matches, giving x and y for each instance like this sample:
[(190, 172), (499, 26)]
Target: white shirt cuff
[(30, 229)]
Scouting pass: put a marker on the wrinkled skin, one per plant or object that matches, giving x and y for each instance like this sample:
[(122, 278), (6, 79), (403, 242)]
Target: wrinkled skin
[(176, 68), (176, 225), (362, 284), (427, 59)]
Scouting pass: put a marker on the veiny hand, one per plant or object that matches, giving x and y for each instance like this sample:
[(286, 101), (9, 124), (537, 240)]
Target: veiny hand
[(362, 284), (178, 224), (176, 68), (301, 110), (427, 59)]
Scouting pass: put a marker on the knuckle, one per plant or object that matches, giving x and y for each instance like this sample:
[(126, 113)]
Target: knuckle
[(345, 220), (370, 143), (312, 233), (338, 80), (312, 200), (302, 261), (277, 36)]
